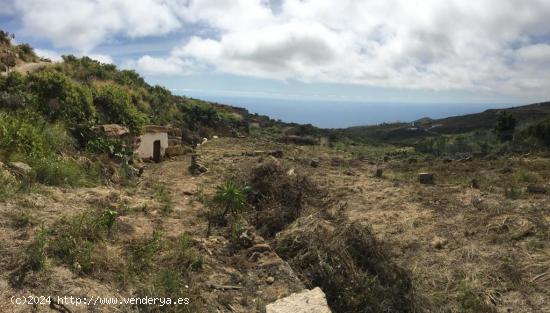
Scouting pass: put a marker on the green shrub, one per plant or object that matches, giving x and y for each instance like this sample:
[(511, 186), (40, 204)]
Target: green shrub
[(540, 131), (60, 98), (55, 171), (26, 53), (114, 105), (20, 136)]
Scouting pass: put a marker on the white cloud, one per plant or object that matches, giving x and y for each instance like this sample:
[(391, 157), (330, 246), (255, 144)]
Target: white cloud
[(163, 66), (48, 54), (83, 24), (103, 58), (56, 57), (486, 45)]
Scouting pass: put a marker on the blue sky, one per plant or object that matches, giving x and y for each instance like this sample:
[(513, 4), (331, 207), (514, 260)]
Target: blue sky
[(424, 51)]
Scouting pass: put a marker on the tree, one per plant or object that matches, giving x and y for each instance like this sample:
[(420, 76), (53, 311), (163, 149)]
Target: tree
[(505, 126), (541, 131)]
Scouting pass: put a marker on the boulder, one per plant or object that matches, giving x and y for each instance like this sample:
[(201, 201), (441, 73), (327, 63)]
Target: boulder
[(314, 163), (307, 301), (426, 178), (114, 130)]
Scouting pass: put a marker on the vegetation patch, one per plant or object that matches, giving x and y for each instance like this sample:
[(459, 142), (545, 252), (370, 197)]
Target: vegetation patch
[(278, 198), (348, 263)]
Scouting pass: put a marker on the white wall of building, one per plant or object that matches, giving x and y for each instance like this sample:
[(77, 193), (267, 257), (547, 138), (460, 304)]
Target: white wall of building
[(145, 149)]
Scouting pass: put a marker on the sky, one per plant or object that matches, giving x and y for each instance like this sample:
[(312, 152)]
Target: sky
[(407, 51)]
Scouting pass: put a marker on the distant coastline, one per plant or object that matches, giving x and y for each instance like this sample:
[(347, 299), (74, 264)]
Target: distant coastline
[(342, 114)]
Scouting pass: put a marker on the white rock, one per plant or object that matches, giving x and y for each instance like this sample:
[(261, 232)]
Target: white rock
[(307, 301)]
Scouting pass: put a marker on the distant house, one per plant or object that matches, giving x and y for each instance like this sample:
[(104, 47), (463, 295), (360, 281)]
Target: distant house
[(154, 143)]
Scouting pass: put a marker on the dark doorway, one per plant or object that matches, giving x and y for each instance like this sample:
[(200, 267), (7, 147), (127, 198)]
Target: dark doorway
[(156, 151)]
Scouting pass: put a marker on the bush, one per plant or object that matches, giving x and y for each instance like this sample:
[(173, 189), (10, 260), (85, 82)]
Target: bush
[(60, 98), (20, 135), (115, 107), (26, 53), (541, 131)]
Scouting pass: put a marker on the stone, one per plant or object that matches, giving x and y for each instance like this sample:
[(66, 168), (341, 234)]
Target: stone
[(19, 168), (196, 167), (426, 178), (114, 130), (277, 153), (314, 163), (536, 189), (307, 301), (245, 239), (260, 248), (270, 280), (438, 243)]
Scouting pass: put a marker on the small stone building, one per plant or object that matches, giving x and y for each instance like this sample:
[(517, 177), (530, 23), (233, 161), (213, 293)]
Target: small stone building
[(152, 143), (156, 142)]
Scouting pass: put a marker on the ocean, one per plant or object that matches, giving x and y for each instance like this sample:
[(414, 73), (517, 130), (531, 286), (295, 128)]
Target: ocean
[(341, 114)]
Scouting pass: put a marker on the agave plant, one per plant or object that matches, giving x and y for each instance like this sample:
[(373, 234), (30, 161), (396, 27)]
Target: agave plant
[(230, 198)]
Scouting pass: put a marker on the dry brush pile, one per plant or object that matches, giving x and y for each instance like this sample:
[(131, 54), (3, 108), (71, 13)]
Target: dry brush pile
[(309, 231)]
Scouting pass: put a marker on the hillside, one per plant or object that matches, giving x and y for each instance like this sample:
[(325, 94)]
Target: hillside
[(426, 127)]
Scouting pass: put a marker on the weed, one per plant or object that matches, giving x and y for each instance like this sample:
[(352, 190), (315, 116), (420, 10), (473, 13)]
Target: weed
[(36, 251), (526, 176), (141, 253), (470, 302), (64, 172), (108, 219), (74, 240), (512, 192), (22, 219), (162, 195)]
